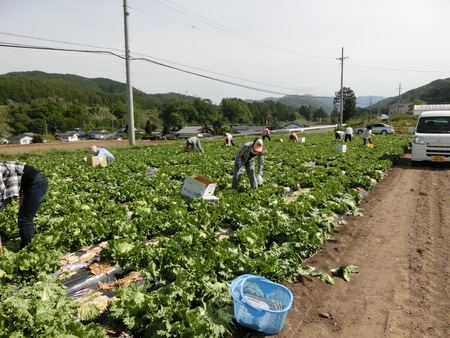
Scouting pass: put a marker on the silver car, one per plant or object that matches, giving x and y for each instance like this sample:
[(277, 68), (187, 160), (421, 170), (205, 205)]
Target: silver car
[(377, 128)]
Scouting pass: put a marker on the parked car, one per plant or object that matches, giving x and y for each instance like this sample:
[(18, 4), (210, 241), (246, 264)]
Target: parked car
[(377, 128)]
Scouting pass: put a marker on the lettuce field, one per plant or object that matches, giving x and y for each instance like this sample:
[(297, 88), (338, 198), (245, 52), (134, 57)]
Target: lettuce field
[(184, 251)]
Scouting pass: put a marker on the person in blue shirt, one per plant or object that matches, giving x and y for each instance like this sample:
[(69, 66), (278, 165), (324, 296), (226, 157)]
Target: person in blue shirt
[(192, 143), (102, 151)]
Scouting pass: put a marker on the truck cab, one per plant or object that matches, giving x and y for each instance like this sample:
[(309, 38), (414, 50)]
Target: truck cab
[(431, 137)]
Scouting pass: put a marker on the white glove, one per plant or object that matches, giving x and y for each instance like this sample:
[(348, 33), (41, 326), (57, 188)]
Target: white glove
[(259, 179), (240, 171)]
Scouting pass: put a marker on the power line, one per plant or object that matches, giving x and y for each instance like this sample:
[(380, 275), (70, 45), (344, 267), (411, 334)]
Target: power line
[(155, 58), (222, 81), (12, 45), (230, 31)]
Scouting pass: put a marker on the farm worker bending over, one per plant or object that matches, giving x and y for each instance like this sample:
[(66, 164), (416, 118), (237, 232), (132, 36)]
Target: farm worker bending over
[(293, 137), (339, 134), (348, 134), (21, 179), (102, 151), (191, 143), (245, 157), (228, 138), (367, 135), (266, 133)]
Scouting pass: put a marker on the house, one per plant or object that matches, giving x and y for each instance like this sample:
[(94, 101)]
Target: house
[(399, 108), (70, 136), (25, 138), (199, 131), (97, 134), (247, 130), (293, 126), (122, 133)]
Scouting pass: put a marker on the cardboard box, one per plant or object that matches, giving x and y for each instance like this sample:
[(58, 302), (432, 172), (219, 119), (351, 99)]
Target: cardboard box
[(97, 160), (198, 186), (341, 147), (301, 140)]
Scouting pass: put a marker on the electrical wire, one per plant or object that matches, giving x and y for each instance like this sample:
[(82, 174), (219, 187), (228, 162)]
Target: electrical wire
[(230, 31), (13, 45), (155, 58)]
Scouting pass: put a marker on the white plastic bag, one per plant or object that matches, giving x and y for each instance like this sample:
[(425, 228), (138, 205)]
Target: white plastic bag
[(259, 179)]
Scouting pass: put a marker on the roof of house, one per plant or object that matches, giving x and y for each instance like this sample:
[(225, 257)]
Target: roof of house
[(291, 125), (245, 129), (190, 129), (97, 131), (21, 136)]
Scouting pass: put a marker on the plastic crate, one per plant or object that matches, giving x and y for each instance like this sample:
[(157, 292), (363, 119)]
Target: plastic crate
[(260, 304)]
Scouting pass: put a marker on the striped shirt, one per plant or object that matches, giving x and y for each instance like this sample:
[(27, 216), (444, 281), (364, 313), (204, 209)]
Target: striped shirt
[(10, 181)]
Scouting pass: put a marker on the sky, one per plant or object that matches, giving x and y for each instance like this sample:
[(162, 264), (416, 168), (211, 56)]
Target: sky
[(247, 49)]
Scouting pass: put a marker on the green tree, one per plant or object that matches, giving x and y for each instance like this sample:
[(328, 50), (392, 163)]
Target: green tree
[(349, 98), (236, 111), (207, 111)]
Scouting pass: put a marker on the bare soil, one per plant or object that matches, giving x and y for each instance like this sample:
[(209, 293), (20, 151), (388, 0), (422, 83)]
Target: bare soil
[(401, 247)]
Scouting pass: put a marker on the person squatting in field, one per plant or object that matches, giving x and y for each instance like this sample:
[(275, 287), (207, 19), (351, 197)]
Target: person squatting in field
[(228, 139), (293, 137), (96, 151), (192, 143), (245, 159), (18, 179)]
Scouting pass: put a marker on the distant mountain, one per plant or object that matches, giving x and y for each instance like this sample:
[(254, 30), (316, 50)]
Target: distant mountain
[(436, 92), (296, 101), (326, 103), (28, 86), (366, 101)]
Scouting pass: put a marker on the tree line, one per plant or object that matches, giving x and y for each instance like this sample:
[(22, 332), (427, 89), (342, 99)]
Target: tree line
[(47, 103)]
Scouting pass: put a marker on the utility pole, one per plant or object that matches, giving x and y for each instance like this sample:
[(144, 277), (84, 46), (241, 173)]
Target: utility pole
[(341, 103), (130, 107), (398, 100), (378, 112), (370, 109)]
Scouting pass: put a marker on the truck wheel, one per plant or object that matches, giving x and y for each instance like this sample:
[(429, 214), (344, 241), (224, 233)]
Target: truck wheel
[(384, 132), (360, 132)]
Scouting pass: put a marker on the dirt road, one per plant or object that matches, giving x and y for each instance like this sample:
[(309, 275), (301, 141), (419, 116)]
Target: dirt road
[(401, 247)]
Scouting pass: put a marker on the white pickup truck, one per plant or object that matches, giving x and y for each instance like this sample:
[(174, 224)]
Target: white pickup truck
[(431, 138)]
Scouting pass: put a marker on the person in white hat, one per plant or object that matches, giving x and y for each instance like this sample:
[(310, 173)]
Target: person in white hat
[(245, 158), (228, 138), (96, 151)]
